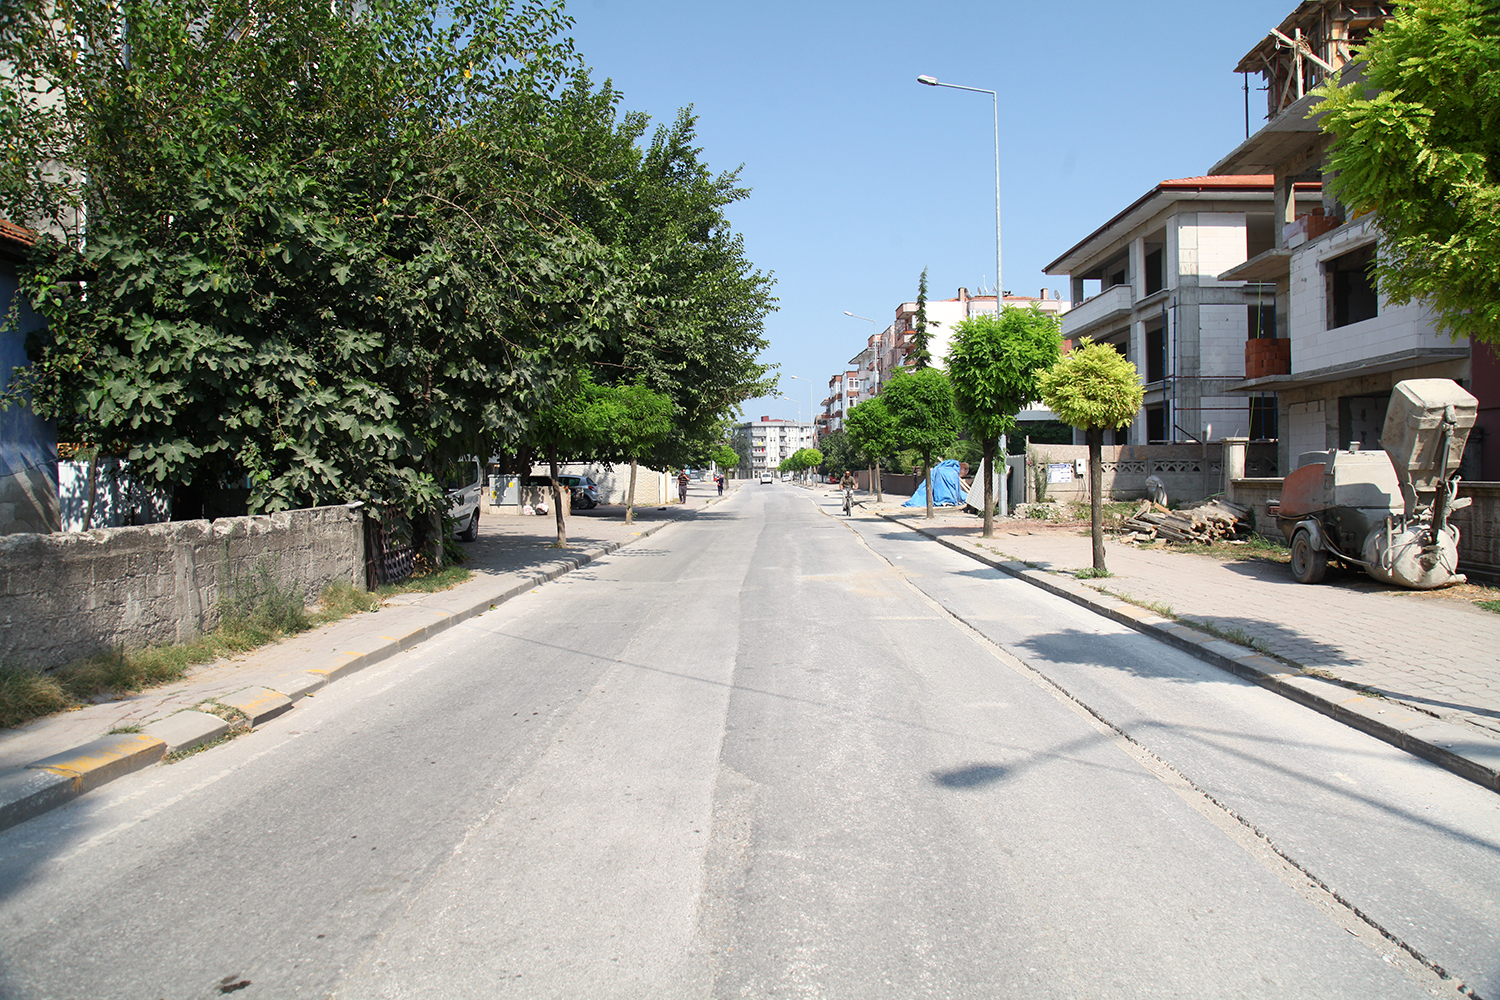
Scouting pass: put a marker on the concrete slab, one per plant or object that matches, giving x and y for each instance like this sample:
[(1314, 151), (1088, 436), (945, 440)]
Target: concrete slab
[(185, 730), (25, 793), (260, 704), (105, 759)]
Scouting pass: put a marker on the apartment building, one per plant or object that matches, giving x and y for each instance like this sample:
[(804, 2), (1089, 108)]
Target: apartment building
[(764, 444), (1345, 345), (1148, 283), (943, 315)]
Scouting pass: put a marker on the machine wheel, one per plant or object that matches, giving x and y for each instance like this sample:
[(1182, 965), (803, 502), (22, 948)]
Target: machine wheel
[(1308, 564), (472, 531)]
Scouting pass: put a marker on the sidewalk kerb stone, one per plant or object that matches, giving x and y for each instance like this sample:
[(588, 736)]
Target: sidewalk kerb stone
[(186, 730), (104, 759), (260, 704), (25, 793)]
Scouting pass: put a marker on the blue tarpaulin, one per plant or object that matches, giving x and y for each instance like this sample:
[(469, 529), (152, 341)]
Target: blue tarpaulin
[(946, 489)]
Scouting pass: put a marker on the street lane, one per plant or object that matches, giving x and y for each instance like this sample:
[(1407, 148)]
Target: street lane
[(744, 758)]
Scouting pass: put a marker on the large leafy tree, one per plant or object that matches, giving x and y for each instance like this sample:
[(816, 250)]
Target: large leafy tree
[(1418, 144), (872, 433), (700, 328), (993, 364), (1093, 387), (922, 413), (323, 248)]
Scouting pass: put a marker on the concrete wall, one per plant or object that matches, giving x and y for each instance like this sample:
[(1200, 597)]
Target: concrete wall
[(1189, 471), (1315, 346), (67, 595)]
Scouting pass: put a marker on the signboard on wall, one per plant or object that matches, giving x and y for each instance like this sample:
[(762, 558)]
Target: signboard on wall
[(1060, 472)]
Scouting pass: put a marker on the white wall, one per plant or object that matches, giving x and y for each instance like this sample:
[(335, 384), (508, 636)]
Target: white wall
[(1314, 345), (1221, 244), (1307, 428)]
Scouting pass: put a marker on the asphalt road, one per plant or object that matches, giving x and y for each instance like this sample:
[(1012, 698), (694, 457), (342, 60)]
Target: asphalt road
[(770, 753)]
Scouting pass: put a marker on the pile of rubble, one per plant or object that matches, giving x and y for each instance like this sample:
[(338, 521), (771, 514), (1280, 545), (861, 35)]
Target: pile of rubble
[(1207, 522)]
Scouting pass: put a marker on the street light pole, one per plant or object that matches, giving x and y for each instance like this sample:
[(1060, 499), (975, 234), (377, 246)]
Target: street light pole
[(933, 81), (813, 428)]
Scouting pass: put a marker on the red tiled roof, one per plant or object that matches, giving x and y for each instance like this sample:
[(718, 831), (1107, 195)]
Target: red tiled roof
[(16, 234)]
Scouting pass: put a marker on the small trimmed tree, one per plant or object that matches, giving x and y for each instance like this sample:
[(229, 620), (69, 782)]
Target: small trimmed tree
[(921, 407), (994, 365), (1093, 387), (920, 356), (872, 433)]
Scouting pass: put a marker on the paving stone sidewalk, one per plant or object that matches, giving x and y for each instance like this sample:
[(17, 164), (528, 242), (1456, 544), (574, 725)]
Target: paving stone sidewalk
[(54, 759), (1423, 663)]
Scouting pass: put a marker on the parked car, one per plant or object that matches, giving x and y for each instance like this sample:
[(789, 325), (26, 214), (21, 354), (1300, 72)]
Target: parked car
[(583, 492), (465, 485)]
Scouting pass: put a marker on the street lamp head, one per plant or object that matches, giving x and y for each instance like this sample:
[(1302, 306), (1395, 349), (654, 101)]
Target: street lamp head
[(848, 313), (931, 81)]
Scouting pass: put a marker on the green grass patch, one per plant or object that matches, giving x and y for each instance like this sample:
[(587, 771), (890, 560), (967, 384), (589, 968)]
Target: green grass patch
[(1092, 573), (428, 583), (1489, 606), (256, 611)]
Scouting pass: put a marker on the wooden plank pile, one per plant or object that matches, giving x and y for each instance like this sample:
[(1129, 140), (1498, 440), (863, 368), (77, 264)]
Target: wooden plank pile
[(1207, 522)]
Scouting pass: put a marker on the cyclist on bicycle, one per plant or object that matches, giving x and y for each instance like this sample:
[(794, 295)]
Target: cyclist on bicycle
[(848, 484)]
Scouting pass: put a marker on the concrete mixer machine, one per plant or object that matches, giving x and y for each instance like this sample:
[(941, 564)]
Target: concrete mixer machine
[(1387, 511)]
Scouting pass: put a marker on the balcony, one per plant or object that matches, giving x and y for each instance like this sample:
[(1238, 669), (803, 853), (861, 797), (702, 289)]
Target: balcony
[(1094, 316)]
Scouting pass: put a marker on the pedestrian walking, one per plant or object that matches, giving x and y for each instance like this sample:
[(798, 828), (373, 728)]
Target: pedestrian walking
[(720, 480), (682, 484)]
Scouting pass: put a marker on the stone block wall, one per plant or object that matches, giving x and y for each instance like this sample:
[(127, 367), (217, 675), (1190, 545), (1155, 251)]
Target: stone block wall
[(67, 595)]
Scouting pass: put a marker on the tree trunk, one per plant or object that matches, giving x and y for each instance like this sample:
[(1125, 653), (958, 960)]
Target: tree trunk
[(630, 495), (562, 528), (988, 466), (927, 472), (1096, 493), (878, 497)]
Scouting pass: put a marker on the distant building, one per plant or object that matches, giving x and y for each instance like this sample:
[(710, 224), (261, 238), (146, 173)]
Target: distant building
[(766, 443)]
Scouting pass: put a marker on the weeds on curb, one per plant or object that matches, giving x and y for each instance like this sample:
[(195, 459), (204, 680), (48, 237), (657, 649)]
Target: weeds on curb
[(177, 755), (1155, 607), (1489, 606), (1238, 636), (1091, 573)]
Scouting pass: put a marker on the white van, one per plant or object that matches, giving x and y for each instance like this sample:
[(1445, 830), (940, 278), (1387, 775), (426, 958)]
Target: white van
[(465, 485)]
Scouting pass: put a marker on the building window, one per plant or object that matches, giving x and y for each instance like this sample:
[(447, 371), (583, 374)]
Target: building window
[(1351, 287), (1156, 275), (1262, 322), (1156, 424), (1156, 353), (1263, 418)]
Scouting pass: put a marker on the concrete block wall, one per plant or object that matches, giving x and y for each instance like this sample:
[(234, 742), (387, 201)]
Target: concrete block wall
[(1189, 471), (68, 595), (1221, 245), (1315, 346)]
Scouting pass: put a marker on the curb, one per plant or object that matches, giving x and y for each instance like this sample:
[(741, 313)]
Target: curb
[(45, 784), (1450, 747)]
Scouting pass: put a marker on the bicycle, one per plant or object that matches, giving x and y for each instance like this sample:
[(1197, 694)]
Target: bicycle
[(848, 501)]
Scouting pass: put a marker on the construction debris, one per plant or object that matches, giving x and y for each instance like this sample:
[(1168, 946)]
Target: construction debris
[(1210, 521)]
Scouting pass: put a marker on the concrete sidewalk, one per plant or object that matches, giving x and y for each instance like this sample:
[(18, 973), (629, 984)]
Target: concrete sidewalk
[(1418, 670), (52, 760)]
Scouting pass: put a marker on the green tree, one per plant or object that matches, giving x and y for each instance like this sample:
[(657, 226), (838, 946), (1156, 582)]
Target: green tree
[(921, 408), (630, 422), (839, 453), (323, 254), (1417, 142), (1093, 387), (872, 432), (919, 356), (801, 460), (994, 364), (726, 458)]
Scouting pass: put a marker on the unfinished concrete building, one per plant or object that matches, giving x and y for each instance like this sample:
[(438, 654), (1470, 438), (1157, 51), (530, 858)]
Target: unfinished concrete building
[(1147, 282)]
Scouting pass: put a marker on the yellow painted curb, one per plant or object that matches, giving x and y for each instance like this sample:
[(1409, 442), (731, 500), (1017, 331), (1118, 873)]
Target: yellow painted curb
[(105, 759)]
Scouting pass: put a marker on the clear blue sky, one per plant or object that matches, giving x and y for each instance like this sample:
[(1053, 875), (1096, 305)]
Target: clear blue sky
[(861, 176)]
